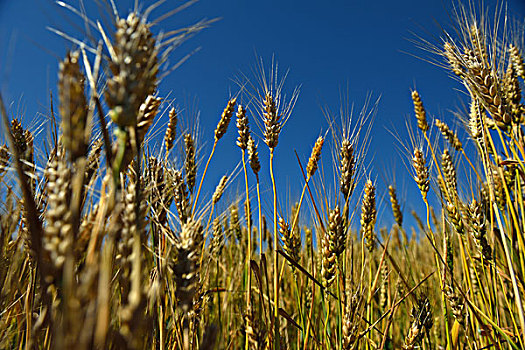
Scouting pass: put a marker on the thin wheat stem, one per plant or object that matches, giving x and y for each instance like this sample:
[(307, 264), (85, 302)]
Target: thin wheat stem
[(296, 216), (161, 326), (369, 306), (259, 209), (326, 305), (276, 336), (471, 165), (442, 282), (518, 301), (249, 253), (310, 315), (514, 220), (202, 177)]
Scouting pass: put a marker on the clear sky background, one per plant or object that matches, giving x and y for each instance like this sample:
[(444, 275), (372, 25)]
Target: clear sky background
[(328, 46)]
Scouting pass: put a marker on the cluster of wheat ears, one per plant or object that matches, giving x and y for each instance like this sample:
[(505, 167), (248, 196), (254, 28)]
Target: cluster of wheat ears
[(104, 244)]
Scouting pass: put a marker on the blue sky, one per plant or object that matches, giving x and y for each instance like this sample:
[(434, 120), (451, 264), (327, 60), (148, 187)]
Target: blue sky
[(327, 46)]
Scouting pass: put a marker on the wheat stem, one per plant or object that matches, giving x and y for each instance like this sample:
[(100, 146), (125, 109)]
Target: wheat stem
[(276, 336), (249, 253), (202, 177)]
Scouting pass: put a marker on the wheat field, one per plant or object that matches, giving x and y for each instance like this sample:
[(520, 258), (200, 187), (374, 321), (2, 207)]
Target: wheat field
[(109, 243)]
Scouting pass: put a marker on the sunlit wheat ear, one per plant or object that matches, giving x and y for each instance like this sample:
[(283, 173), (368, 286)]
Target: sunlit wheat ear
[(187, 267), (219, 190), (498, 189), (93, 160), (457, 304), (144, 119), (454, 215), (73, 106), (291, 240), (422, 323), (479, 229), (186, 272), (147, 113), (368, 215), (475, 123), (336, 228), (271, 120), (133, 227), (314, 157), (328, 260), (253, 155), (243, 128), (226, 116), (421, 115), (19, 137), (190, 166), (4, 158), (217, 242), (449, 135), (512, 93), (333, 245), (134, 67), (158, 191), (25, 234), (181, 197), (58, 233), (396, 208), (485, 85), (421, 172), (511, 84), (478, 43), (171, 130), (346, 167), (473, 270), (24, 144), (85, 230), (200, 300), (350, 321), (252, 329), (153, 177), (452, 55), (517, 61), (449, 172)]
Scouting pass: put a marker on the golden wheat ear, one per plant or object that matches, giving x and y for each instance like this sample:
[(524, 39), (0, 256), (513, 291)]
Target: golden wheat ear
[(421, 172), (58, 234), (346, 168), (420, 112), (242, 127), (291, 242), (368, 215), (190, 166), (253, 155), (224, 121), (171, 130), (396, 208), (73, 106), (134, 67), (186, 271)]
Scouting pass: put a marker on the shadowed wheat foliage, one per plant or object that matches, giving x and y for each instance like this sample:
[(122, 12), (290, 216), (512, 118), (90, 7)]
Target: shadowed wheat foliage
[(111, 243)]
